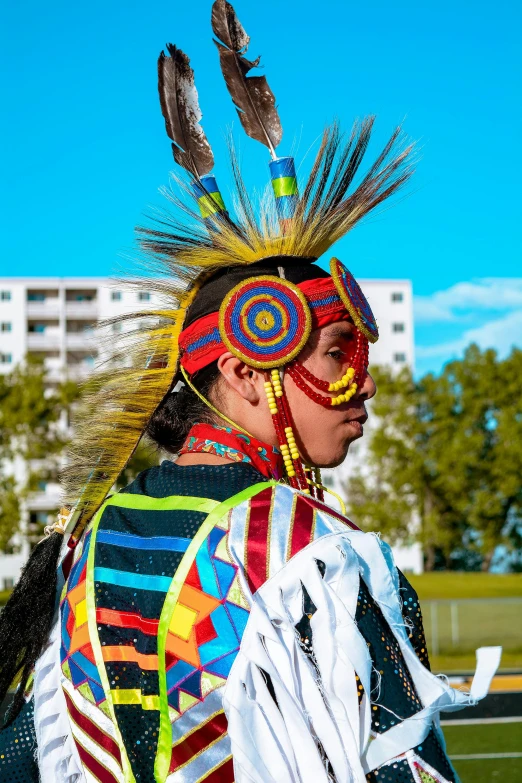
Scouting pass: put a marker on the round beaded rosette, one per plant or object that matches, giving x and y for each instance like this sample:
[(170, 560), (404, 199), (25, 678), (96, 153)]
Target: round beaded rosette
[(265, 321), (354, 300)]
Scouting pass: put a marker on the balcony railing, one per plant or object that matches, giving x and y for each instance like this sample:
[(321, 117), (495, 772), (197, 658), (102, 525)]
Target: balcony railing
[(43, 341), (82, 310), (50, 308), (81, 341), (46, 500)]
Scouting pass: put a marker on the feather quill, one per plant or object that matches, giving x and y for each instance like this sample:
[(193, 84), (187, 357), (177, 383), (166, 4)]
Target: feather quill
[(253, 98), (180, 108)]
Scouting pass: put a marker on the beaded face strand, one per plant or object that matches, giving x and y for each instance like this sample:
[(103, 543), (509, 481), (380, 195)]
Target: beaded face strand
[(281, 417), (351, 380)]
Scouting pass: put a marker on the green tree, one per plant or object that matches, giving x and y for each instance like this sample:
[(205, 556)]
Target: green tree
[(445, 459), (9, 511), (32, 428)]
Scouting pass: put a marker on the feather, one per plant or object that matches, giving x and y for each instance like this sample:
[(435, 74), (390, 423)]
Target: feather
[(180, 108), (253, 98), (179, 252)]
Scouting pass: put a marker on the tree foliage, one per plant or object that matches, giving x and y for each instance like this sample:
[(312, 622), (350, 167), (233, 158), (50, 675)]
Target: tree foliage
[(445, 460), (145, 456), (33, 430)]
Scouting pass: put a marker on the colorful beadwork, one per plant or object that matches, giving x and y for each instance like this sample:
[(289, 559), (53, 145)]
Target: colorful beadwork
[(354, 300), (201, 344), (265, 321), (283, 426)]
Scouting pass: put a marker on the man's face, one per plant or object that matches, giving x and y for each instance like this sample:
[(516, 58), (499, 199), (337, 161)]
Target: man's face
[(324, 434)]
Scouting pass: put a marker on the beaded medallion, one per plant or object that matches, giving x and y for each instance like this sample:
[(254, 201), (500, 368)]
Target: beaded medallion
[(265, 321), (354, 300)]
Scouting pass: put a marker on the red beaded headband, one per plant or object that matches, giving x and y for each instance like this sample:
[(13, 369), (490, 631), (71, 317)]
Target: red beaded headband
[(201, 343)]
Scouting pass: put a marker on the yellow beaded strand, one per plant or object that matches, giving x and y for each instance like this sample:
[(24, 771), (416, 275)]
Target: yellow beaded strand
[(276, 383), (345, 380), (271, 398), (344, 397)]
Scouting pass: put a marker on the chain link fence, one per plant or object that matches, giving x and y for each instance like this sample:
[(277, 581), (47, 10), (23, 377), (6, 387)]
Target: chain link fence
[(457, 627)]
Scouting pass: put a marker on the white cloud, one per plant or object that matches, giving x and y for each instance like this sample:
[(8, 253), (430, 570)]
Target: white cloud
[(489, 294), (501, 333)]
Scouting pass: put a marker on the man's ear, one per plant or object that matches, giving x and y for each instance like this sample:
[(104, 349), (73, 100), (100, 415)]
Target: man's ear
[(245, 380)]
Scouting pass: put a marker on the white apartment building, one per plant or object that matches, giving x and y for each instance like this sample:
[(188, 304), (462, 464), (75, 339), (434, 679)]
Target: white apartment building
[(54, 317)]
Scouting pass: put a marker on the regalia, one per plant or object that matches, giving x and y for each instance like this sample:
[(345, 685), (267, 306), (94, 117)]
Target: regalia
[(224, 623)]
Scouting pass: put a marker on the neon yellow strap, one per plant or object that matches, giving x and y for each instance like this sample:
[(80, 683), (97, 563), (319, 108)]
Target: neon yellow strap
[(162, 763), (126, 500), (209, 404), (171, 503)]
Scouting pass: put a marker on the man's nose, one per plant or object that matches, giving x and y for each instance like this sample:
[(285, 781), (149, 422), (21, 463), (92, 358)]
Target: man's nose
[(368, 389)]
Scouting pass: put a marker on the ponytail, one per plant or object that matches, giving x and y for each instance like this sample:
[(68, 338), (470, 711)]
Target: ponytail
[(174, 417)]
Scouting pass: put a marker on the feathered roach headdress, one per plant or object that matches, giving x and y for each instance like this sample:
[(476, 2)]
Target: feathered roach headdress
[(203, 254)]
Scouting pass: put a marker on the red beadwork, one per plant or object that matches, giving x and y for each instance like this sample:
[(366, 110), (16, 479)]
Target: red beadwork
[(283, 419), (359, 361)]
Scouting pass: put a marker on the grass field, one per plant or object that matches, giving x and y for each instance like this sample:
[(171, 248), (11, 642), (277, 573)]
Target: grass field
[(472, 610), (472, 740), (447, 585)]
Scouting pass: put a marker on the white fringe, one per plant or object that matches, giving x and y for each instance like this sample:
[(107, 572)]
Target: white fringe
[(279, 741), (58, 759)]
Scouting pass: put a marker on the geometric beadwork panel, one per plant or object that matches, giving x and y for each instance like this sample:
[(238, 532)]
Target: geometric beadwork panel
[(206, 626), (77, 658)]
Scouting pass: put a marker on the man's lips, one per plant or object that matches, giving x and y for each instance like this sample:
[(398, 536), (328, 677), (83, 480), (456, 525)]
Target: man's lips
[(361, 418), (356, 424)]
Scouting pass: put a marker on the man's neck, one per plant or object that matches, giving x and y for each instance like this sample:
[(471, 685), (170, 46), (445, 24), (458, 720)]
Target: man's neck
[(201, 459)]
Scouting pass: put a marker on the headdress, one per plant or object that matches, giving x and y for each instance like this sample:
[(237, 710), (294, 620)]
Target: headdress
[(242, 280)]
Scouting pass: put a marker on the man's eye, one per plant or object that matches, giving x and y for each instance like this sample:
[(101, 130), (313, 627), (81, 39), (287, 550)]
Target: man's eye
[(336, 354)]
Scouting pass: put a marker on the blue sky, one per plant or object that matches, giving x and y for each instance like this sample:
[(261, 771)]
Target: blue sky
[(85, 150)]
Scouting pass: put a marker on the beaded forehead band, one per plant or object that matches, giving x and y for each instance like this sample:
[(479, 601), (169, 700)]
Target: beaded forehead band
[(266, 321)]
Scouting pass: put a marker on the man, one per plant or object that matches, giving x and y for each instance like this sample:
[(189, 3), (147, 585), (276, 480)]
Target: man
[(217, 620)]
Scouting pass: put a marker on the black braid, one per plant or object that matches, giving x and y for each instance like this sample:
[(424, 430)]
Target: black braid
[(27, 618)]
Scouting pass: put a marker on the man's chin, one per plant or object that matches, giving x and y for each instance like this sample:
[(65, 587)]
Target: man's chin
[(334, 461)]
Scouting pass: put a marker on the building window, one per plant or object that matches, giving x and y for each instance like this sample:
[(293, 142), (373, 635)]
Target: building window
[(328, 480), (116, 327), (399, 357), (5, 327), (397, 296), (8, 582), (35, 296), (5, 296), (144, 296), (5, 358), (398, 327), (116, 296), (38, 328)]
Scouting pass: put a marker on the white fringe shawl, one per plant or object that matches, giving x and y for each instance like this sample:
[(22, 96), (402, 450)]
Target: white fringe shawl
[(279, 742)]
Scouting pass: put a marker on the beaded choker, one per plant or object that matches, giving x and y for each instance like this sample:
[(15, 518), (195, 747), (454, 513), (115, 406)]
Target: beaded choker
[(235, 446)]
